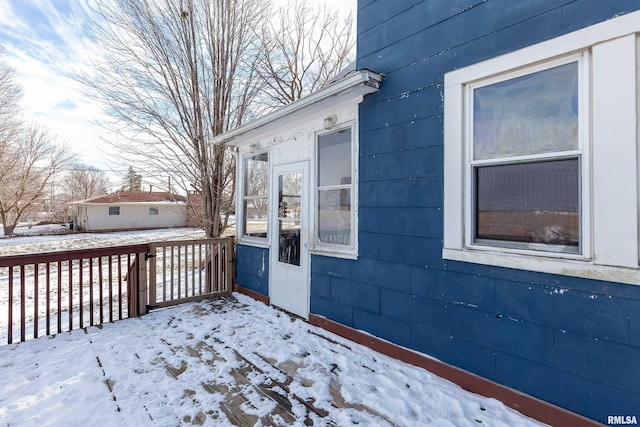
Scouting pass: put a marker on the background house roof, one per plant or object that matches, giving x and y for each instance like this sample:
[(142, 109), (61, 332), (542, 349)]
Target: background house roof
[(136, 197)]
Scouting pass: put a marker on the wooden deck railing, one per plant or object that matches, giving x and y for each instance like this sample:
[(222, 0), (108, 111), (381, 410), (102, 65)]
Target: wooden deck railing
[(189, 270), (48, 293)]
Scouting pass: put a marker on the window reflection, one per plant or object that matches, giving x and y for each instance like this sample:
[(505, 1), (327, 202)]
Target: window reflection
[(532, 114), (334, 187), (254, 204)]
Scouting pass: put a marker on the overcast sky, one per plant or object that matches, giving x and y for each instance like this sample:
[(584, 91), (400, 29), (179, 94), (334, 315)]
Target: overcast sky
[(43, 42)]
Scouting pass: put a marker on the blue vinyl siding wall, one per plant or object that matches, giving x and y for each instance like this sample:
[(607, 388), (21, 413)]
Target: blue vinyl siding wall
[(252, 268), (572, 342)]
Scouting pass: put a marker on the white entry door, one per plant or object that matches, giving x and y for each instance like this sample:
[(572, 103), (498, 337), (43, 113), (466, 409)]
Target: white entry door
[(289, 252)]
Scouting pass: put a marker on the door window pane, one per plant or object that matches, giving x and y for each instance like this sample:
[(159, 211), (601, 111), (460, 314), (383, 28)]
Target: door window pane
[(535, 202), (532, 114), (289, 222), (290, 186), (289, 242)]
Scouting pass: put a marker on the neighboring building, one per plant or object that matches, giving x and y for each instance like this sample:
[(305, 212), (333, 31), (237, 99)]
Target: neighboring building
[(130, 210), (480, 208)]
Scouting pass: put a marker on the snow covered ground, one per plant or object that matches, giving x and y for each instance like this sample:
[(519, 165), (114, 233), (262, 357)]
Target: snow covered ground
[(46, 238), (216, 363), (222, 363)]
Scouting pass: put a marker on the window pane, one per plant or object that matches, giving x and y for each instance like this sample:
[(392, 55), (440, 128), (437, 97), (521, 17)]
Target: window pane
[(529, 202), (153, 211), (255, 217), (289, 242), (256, 180), (532, 114), (114, 210), (334, 158), (334, 216), (254, 204), (289, 197)]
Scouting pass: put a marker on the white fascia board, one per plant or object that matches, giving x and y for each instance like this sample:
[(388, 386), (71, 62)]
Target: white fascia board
[(354, 85), (81, 202)]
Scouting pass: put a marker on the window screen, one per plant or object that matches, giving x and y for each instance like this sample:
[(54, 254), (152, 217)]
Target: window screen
[(534, 202)]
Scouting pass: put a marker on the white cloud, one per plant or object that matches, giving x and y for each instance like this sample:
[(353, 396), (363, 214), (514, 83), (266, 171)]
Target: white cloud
[(45, 43)]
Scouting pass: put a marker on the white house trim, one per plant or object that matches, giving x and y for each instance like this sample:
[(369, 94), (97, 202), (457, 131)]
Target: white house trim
[(356, 84), (610, 203)]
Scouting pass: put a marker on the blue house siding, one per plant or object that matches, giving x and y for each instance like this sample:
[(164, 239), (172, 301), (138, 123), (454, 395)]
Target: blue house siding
[(570, 341), (252, 268)]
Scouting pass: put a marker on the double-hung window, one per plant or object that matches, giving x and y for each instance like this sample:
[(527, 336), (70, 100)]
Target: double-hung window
[(335, 193), (114, 210), (541, 149), (255, 196), (525, 159)]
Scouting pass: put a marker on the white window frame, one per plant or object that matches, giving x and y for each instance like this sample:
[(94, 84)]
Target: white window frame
[(241, 178), (608, 112), (329, 249), (582, 153), (114, 210)]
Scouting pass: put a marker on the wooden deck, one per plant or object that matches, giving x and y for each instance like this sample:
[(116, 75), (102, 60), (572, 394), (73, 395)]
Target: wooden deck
[(227, 361), (238, 408), (269, 380)]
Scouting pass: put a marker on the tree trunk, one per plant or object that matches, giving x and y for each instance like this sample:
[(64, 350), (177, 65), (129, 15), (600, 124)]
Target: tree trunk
[(8, 229)]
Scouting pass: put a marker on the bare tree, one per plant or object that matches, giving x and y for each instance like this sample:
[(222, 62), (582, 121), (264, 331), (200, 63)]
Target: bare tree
[(29, 156), (10, 95), (83, 182), (176, 73), (304, 47), (28, 163)]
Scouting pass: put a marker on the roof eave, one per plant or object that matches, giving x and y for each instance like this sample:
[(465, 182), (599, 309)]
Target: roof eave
[(358, 83)]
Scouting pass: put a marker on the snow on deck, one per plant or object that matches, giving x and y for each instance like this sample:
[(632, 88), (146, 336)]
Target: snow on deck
[(231, 361)]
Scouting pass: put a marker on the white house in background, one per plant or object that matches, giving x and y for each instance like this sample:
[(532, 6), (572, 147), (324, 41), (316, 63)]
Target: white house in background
[(130, 210)]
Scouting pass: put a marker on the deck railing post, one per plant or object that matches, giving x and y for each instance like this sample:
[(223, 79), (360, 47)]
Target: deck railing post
[(228, 268), (133, 284), (142, 283), (210, 267), (151, 286)]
